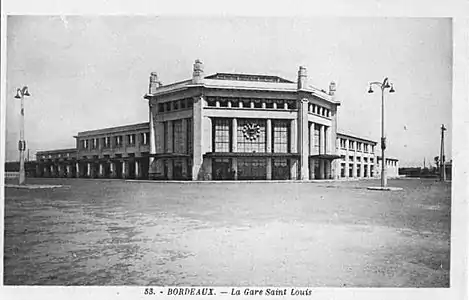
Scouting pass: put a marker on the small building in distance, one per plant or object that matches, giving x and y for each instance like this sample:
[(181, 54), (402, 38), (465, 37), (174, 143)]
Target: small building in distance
[(392, 167), (56, 163)]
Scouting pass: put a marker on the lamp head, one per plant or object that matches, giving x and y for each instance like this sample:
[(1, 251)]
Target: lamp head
[(392, 90), (18, 94), (25, 91), (370, 90)]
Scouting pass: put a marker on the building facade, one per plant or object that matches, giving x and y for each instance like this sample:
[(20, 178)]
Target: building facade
[(56, 163), (223, 126), (357, 157), (242, 127), (117, 152)]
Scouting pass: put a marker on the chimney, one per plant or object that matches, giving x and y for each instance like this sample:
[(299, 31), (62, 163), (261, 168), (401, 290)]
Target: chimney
[(332, 88), (302, 78), (198, 74), (154, 83)]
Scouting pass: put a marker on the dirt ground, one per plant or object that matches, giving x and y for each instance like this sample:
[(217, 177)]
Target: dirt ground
[(98, 232)]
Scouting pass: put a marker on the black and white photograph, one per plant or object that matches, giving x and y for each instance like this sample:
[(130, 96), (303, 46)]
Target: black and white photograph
[(228, 155)]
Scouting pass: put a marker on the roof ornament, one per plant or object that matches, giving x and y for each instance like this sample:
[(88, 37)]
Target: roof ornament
[(302, 78), (198, 73)]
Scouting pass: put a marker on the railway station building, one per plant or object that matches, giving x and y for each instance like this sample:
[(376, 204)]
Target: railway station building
[(241, 126), (223, 126)]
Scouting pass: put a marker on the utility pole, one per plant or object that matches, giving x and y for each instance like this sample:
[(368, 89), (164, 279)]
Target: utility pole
[(442, 154)]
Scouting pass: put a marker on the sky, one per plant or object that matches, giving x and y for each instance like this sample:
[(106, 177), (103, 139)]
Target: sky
[(86, 73)]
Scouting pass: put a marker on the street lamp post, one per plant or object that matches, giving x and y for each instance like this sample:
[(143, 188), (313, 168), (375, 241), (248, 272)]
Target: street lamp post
[(383, 86), (20, 93)]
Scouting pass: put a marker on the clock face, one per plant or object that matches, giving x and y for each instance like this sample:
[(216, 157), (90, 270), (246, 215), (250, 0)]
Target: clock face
[(251, 131)]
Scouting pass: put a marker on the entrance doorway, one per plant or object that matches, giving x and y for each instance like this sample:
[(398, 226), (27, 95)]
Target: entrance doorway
[(252, 168), (221, 169), (177, 170), (281, 169)]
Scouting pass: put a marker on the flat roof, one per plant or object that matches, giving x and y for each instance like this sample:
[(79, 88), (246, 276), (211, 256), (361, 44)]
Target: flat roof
[(356, 138), (56, 151), (241, 81), (114, 129), (388, 158), (248, 77)]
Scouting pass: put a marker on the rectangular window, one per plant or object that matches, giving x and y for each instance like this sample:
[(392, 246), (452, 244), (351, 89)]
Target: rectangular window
[(107, 142), (281, 136), (316, 138), (351, 145), (131, 139), (144, 138), (168, 106), (251, 135), (161, 107), (178, 138), (343, 143), (189, 135), (222, 136), (359, 146), (165, 136), (118, 140)]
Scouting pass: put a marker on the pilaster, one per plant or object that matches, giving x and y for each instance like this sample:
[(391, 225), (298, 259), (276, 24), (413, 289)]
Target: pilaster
[(303, 138), (137, 169), (151, 168), (197, 159), (77, 166), (322, 139), (234, 135), (268, 136)]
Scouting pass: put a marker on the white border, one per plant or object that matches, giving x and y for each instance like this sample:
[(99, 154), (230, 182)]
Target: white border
[(421, 8)]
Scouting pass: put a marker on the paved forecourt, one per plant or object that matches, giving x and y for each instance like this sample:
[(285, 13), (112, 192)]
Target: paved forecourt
[(114, 232)]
